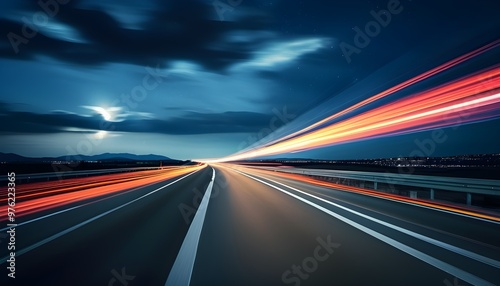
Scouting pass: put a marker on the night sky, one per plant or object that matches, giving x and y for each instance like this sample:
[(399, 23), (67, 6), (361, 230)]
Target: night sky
[(206, 79)]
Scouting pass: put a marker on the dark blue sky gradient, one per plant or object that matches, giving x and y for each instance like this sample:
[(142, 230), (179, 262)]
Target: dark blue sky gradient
[(186, 80)]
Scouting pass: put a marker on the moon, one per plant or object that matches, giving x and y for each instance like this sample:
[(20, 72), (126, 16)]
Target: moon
[(104, 112), (112, 114)]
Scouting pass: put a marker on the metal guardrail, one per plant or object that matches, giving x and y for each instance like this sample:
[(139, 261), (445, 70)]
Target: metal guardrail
[(432, 183)]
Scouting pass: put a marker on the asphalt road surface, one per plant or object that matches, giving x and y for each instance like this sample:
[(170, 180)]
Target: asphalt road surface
[(229, 225)]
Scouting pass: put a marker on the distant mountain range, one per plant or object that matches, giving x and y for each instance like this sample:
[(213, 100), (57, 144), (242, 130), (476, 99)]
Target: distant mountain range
[(10, 157)]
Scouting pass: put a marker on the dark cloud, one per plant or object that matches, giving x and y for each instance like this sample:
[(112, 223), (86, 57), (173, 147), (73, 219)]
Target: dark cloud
[(189, 123), (181, 30), (207, 123), (269, 55)]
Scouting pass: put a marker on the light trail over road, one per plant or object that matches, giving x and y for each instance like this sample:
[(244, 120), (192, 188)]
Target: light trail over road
[(466, 100), (36, 197), (262, 143), (394, 89), (470, 99), (232, 225)]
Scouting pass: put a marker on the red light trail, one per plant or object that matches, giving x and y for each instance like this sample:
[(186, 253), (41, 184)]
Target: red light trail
[(36, 197), (437, 205), (397, 88), (472, 98)]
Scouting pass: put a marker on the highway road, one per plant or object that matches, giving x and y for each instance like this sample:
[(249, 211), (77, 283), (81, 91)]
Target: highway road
[(231, 225)]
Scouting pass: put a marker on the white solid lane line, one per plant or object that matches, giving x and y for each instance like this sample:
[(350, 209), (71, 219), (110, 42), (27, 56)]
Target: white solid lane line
[(76, 207), (416, 205), (73, 208), (68, 230), (181, 271), (448, 268), (463, 252)]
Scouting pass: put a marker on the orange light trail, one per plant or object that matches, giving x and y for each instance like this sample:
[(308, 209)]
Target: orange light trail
[(469, 99), (421, 202), (31, 201), (394, 89), (40, 189)]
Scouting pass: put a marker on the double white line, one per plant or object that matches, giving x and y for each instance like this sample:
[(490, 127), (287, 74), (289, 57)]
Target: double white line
[(457, 272)]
